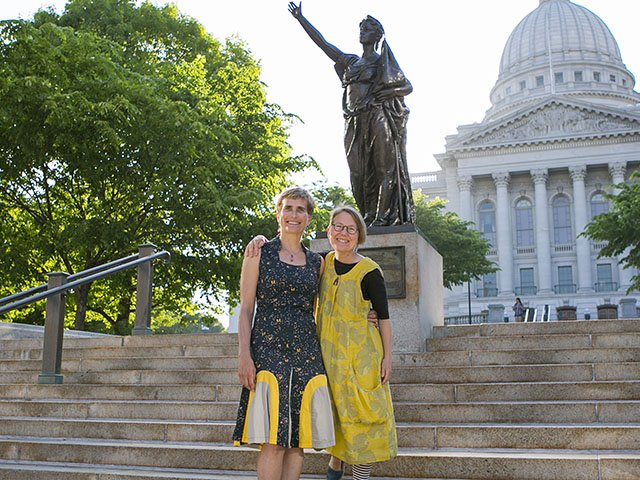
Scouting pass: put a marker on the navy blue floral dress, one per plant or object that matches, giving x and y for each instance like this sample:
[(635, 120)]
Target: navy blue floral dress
[(290, 405)]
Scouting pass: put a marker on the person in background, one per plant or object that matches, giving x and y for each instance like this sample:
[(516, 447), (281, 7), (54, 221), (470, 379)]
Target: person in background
[(285, 403), (518, 310)]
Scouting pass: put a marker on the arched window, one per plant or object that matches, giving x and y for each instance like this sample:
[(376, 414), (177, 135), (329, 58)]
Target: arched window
[(487, 221), (599, 204), (524, 223), (562, 233)]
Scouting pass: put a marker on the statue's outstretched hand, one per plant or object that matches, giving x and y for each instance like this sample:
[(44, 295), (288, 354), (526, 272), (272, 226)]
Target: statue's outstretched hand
[(296, 10)]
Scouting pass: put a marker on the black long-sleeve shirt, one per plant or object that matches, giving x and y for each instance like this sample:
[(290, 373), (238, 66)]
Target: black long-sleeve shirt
[(373, 288)]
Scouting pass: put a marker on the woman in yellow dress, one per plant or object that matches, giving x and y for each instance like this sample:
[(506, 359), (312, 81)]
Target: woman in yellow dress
[(356, 354)]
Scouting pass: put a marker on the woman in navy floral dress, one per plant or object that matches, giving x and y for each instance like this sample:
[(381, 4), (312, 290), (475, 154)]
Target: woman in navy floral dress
[(285, 404)]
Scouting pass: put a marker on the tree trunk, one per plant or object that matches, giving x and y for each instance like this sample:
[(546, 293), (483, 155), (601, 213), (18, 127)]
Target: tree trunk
[(82, 297), (122, 325)]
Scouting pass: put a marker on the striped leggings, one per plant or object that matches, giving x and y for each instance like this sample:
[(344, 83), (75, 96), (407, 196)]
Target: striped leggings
[(361, 472)]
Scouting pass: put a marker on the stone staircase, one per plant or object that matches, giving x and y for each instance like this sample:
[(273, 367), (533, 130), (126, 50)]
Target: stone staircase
[(557, 400)]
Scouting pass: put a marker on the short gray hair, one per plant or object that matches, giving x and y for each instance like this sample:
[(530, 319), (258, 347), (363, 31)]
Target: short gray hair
[(362, 227), (295, 192)]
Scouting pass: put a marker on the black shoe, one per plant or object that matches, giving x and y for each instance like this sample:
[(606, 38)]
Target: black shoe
[(335, 474)]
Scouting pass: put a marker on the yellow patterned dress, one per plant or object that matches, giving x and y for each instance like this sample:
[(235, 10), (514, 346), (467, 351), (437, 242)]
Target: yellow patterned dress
[(352, 352)]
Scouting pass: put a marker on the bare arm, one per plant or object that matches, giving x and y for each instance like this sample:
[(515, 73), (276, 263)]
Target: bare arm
[(330, 50), (385, 334), (248, 286)]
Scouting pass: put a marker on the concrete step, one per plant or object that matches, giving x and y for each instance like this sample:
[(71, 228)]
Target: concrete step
[(410, 435), (495, 374), (126, 363), (516, 392), (520, 412), (583, 372), (132, 341), (133, 377), (434, 393), (538, 328), (402, 374), (225, 356), (216, 349), (120, 409), (476, 412), (224, 393), (534, 342), (487, 464), (69, 471), (518, 357)]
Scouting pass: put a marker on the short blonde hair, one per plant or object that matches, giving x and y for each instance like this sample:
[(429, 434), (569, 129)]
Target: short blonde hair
[(295, 192), (355, 214)]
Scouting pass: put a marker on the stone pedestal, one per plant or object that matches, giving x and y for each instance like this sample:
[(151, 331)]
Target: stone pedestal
[(607, 311), (566, 312), (496, 313), (413, 273), (628, 308)]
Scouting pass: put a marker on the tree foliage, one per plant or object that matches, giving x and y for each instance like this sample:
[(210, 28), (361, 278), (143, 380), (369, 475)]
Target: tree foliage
[(463, 248), (620, 227), (121, 125), (327, 197)]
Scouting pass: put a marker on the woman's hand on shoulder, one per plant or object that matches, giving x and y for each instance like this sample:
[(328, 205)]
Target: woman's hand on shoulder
[(385, 369), (247, 371), (253, 247)]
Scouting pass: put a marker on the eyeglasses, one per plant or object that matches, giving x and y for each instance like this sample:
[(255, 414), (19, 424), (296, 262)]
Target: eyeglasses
[(351, 230)]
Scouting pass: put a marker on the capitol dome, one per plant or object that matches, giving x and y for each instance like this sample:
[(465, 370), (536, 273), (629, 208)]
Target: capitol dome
[(561, 48)]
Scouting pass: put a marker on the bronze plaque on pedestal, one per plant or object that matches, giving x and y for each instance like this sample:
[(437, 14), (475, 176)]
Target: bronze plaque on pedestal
[(391, 261)]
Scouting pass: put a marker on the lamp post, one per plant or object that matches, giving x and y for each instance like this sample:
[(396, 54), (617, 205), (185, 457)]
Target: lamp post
[(469, 298)]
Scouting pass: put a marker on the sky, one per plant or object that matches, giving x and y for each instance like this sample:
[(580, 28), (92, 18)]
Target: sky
[(449, 50)]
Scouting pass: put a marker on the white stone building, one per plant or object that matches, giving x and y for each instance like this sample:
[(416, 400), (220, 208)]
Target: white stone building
[(564, 125)]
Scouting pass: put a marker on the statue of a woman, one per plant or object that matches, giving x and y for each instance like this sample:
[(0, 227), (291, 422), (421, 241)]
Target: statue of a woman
[(376, 118)]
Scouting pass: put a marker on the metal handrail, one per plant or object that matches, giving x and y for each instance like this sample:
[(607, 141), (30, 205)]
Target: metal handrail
[(82, 279), (25, 293), (84, 273), (55, 292)]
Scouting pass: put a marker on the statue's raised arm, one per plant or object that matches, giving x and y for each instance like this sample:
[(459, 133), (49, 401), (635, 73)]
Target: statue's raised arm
[(332, 51)]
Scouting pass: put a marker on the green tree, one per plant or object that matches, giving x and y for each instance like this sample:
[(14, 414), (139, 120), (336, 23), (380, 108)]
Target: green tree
[(123, 124), (327, 197), (620, 227), (463, 248), (169, 322)]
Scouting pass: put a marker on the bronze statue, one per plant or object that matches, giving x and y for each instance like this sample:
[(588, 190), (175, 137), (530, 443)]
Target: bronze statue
[(375, 123)]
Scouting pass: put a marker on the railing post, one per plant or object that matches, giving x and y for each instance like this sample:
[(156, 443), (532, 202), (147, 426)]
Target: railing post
[(144, 292), (53, 332)]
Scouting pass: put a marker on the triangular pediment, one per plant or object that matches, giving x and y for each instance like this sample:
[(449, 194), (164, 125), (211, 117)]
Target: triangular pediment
[(551, 121)]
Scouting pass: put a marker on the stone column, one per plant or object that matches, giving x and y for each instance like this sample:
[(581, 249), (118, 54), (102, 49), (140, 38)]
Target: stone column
[(618, 171), (583, 251), (465, 182), (450, 177), (463, 185), (505, 247), (543, 241)]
